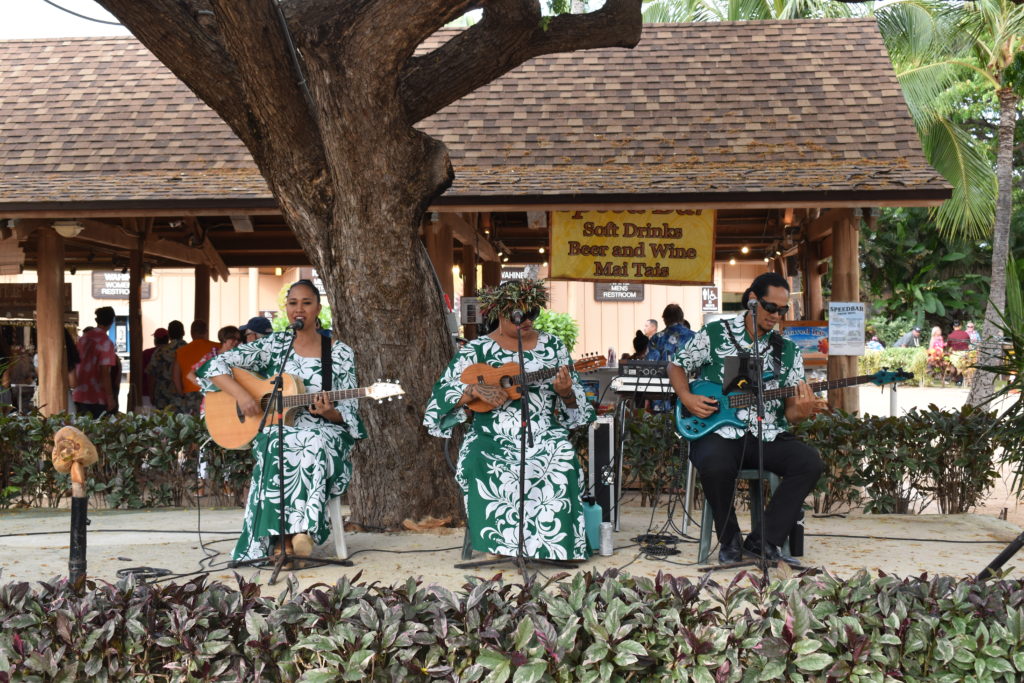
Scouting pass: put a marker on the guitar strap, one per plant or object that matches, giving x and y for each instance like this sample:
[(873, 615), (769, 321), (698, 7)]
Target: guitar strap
[(326, 371)]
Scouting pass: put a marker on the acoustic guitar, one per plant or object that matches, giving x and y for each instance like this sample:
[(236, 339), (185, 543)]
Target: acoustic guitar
[(508, 378), (691, 427), (233, 429)]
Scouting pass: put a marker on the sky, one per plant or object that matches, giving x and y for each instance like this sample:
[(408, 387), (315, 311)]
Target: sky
[(38, 19)]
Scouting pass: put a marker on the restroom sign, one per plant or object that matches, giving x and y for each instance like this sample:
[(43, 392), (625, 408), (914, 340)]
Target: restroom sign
[(709, 302)]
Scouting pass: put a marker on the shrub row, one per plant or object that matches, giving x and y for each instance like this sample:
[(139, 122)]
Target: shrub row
[(594, 627), (145, 460), (902, 464)]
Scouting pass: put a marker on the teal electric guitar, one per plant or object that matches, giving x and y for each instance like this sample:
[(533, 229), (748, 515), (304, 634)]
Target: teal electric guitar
[(692, 427)]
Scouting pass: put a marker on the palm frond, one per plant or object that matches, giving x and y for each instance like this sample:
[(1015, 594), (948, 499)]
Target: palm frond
[(951, 151)]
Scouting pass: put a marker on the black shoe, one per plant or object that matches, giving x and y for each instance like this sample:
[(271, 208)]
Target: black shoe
[(772, 553), (730, 551)]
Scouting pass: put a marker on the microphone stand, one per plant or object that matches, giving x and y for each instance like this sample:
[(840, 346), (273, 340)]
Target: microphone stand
[(758, 356), (276, 398)]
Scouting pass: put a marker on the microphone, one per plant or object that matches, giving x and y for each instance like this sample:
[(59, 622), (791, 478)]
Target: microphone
[(752, 304), (516, 317), (297, 325)]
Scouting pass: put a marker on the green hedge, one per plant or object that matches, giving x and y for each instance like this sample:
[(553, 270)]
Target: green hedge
[(606, 627), (145, 461), (913, 360), (902, 464)]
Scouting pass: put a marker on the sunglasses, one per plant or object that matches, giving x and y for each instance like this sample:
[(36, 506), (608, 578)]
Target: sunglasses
[(531, 314), (772, 309)]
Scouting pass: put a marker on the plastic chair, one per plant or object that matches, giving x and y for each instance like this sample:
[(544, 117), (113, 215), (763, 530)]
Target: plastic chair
[(707, 520), (337, 527)]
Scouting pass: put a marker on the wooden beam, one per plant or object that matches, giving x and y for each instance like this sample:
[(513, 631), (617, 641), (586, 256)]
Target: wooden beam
[(142, 227), (241, 223), (845, 288), (214, 260), (822, 226), (202, 300), (463, 230), (438, 238), (115, 237), (468, 267), (53, 374)]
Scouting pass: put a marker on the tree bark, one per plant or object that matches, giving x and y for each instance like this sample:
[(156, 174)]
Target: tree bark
[(982, 387), (353, 178)]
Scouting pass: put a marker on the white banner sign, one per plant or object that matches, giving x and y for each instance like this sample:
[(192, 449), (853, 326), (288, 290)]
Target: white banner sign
[(845, 328)]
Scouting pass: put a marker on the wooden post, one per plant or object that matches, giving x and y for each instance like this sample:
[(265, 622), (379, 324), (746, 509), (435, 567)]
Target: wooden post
[(492, 273), (202, 311), (468, 267), (814, 305), (135, 275), (440, 248), (53, 364), (845, 287)]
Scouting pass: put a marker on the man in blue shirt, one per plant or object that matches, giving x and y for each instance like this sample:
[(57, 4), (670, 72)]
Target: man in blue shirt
[(664, 344)]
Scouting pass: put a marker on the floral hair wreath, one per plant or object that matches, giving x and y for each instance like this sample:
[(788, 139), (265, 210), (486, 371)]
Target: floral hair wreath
[(524, 295)]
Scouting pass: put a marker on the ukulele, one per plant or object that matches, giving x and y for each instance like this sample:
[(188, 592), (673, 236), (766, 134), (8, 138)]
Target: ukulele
[(233, 429), (508, 378)]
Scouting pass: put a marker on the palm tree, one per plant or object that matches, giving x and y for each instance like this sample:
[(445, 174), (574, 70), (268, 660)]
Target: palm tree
[(937, 47), (743, 10)]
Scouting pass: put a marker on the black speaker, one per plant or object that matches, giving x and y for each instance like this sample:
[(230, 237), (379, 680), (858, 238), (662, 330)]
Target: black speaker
[(604, 471)]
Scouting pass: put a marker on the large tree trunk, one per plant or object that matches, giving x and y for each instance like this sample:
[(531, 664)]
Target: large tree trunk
[(353, 177), (982, 386)]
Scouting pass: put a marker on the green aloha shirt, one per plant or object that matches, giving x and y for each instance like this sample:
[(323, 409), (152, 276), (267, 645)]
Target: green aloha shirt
[(488, 467), (704, 358)]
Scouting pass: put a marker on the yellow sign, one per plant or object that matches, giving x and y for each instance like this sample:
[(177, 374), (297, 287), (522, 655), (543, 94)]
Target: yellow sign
[(666, 246)]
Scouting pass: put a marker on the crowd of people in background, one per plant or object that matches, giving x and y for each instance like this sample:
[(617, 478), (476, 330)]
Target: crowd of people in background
[(950, 357), (650, 344)]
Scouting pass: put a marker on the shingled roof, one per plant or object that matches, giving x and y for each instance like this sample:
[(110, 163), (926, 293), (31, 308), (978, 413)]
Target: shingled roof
[(752, 112)]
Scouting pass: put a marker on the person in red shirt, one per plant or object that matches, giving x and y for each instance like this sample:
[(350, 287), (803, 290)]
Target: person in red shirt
[(94, 393), (958, 339)]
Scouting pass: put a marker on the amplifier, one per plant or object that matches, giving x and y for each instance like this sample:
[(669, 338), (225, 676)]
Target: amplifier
[(604, 471), (643, 368)]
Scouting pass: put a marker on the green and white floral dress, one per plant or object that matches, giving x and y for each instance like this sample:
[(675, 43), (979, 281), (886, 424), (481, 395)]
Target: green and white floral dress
[(488, 469), (316, 452)]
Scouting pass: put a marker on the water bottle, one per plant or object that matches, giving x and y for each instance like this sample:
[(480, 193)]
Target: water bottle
[(607, 545), (611, 357), (592, 522)]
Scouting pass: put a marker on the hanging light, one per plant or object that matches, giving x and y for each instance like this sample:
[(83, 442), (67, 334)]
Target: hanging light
[(745, 250), (278, 272), (732, 261), (541, 250)]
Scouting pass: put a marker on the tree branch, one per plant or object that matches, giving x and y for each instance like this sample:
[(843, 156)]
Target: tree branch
[(278, 113), (510, 33)]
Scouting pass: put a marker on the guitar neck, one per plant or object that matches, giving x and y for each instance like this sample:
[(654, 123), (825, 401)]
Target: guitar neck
[(536, 376), (306, 399), (744, 400)]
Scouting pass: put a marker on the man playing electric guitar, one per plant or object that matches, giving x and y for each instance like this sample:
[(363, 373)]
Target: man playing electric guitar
[(719, 455)]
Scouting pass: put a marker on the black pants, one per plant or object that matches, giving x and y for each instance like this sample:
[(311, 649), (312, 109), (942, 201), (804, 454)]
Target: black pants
[(97, 410), (718, 460)]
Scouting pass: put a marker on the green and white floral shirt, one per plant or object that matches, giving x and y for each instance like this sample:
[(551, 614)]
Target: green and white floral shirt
[(704, 358)]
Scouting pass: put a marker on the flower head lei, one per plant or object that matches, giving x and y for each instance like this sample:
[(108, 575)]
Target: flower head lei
[(523, 295)]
